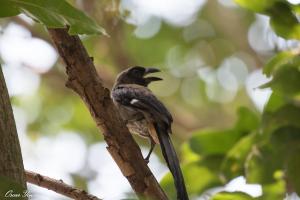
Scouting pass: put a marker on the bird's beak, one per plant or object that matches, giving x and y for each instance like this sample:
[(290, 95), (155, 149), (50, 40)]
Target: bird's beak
[(151, 70)]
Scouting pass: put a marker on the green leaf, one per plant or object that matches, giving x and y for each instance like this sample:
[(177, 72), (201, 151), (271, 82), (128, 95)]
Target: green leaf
[(232, 196), (256, 5), (275, 102), (262, 164), (286, 140), (234, 162), (247, 120), (218, 142), (277, 155), (286, 81), (280, 60), (273, 191), (209, 142), (188, 154), (199, 176), (292, 172), (284, 21), (286, 115), (54, 14), (282, 15)]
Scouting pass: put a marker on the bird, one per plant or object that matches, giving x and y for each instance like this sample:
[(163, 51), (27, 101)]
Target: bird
[(147, 117)]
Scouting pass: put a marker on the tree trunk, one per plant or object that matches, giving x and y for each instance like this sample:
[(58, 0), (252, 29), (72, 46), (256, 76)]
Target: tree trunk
[(11, 163)]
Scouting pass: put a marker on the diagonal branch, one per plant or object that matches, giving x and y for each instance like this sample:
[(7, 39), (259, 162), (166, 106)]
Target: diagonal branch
[(58, 186), (83, 79)]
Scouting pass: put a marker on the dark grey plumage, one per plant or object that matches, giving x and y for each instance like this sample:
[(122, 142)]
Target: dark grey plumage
[(146, 116)]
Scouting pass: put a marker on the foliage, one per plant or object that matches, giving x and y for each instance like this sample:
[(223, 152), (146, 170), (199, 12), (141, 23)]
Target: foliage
[(282, 14), (262, 147), (53, 14)]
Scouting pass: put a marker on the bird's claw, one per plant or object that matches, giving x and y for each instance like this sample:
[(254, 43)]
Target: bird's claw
[(146, 160)]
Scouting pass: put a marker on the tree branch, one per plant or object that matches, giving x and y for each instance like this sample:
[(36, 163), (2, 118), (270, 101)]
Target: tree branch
[(83, 79), (58, 186), (11, 163)]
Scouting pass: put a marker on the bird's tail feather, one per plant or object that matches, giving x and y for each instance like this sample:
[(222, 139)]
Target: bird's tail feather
[(170, 156)]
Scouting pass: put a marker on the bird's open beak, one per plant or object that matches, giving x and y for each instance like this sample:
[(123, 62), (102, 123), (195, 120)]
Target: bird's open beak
[(151, 70)]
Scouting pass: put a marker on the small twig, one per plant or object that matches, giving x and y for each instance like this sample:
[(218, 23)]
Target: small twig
[(58, 186)]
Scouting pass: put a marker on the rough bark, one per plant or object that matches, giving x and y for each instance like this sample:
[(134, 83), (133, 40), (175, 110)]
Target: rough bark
[(11, 163), (83, 79), (58, 186)]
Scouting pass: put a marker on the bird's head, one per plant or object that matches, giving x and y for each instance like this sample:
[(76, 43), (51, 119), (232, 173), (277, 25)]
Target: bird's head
[(137, 75)]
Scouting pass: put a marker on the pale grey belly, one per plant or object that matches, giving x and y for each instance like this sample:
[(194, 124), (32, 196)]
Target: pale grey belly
[(135, 121)]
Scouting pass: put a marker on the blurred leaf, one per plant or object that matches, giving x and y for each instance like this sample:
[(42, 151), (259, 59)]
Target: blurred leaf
[(279, 60), (199, 176), (206, 142), (210, 142), (286, 115), (273, 191), (286, 81), (276, 155), (234, 162), (275, 102), (262, 164), (292, 171), (53, 14), (283, 19), (256, 5), (287, 142), (168, 38), (187, 154), (247, 120), (232, 196), (79, 181)]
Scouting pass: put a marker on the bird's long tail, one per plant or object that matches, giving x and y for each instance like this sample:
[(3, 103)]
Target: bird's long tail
[(171, 158)]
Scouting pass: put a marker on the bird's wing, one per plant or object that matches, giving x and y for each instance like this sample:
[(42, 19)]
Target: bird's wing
[(141, 98)]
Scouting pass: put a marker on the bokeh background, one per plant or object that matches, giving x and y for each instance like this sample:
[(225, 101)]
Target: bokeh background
[(210, 52)]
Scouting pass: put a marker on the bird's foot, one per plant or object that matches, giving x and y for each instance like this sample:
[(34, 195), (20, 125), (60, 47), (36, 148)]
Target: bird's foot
[(146, 160)]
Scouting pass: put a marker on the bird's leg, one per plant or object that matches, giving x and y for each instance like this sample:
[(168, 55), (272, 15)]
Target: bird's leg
[(150, 151)]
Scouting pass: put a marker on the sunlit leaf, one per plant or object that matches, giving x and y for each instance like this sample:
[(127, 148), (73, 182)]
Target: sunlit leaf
[(275, 102), (256, 5), (234, 162), (53, 14), (280, 60), (212, 142), (232, 196), (207, 142), (284, 21), (247, 120), (188, 154), (286, 115), (273, 191), (282, 17), (286, 81), (199, 176), (274, 156), (262, 164), (292, 171)]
